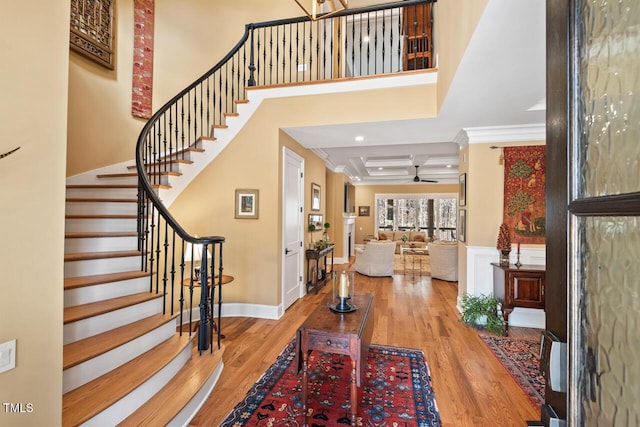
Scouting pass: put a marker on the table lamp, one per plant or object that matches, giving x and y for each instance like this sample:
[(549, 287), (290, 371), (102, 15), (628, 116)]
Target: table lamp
[(193, 254)]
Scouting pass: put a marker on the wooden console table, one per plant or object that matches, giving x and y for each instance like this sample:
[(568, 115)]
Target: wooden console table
[(338, 333), (518, 286), (316, 278)]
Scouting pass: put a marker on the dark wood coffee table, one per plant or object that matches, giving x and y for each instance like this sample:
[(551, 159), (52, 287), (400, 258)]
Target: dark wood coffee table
[(339, 333)]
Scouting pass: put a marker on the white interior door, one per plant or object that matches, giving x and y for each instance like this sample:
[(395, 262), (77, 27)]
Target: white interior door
[(293, 203)]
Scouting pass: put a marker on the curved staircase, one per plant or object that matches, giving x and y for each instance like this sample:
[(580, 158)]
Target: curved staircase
[(124, 361)]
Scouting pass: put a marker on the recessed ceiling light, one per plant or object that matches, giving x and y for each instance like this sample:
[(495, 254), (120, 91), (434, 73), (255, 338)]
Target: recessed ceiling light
[(380, 169), (365, 39), (448, 166), (359, 138)]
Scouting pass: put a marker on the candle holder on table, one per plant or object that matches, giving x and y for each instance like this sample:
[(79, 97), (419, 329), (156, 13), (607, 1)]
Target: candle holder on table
[(343, 291)]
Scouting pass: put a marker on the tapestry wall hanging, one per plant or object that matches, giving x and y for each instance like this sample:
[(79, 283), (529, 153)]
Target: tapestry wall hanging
[(142, 79), (524, 193), (91, 28)]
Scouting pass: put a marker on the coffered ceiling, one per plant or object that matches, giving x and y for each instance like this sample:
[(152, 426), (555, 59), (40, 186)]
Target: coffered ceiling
[(498, 94)]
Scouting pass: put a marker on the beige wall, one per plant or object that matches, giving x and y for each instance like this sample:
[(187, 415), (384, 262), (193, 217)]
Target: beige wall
[(34, 51), (456, 20), (365, 196), (188, 42)]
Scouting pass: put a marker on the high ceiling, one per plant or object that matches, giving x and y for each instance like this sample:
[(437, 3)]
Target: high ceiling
[(498, 94)]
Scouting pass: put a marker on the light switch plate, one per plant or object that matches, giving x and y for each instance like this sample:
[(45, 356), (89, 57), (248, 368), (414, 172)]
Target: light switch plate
[(7, 355)]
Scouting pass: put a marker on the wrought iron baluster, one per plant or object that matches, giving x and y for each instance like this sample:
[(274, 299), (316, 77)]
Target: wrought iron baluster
[(384, 25), (165, 276)]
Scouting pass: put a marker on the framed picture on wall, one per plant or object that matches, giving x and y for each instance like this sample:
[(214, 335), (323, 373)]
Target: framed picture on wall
[(363, 210), (462, 226), (463, 190), (246, 204), (315, 197), (316, 221)]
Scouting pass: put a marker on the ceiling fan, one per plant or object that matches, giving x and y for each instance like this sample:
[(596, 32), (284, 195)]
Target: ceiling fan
[(418, 179)]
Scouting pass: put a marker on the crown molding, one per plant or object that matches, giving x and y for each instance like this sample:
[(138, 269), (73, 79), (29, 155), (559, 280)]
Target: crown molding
[(516, 133)]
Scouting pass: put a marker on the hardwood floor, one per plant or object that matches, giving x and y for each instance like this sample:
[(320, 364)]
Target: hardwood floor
[(471, 386)]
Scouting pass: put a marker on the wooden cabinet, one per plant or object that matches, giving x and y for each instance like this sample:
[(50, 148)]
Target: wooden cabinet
[(518, 286), (417, 37)]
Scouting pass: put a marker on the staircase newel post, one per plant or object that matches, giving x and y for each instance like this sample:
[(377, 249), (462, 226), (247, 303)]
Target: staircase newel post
[(252, 67), (206, 317)]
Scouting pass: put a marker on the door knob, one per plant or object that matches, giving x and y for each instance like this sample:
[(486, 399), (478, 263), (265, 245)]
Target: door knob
[(286, 251)]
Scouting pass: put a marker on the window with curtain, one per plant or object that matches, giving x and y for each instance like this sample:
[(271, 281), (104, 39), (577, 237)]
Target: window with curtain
[(435, 214)]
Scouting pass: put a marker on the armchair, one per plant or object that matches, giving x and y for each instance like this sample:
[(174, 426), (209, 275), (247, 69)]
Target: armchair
[(444, 260), (376, 259)]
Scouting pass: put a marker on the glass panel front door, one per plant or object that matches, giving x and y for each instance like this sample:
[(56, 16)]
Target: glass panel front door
[(604, 318)]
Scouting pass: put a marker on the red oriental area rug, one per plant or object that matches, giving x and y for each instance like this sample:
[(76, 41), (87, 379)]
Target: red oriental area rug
[(521, 358), (396, 390)]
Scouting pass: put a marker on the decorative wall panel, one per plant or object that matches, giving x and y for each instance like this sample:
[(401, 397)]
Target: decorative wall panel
[(524, 193), (91, 28), (142, 85)]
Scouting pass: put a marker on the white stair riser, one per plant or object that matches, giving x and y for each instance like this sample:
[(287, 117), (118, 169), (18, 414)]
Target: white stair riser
[(86, 225), (83, 373), (164, 167), (191, 409), (128, 404), (103, 291), (100, 244), (101, 266), (112, 180), (101, 208), (102, 193), (98, 324)]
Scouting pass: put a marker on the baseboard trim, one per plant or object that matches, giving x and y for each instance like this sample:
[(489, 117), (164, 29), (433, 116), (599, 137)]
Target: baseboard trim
[(257, 311)]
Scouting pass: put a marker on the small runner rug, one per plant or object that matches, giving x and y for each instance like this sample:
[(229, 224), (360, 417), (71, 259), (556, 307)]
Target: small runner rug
[(396, 390), (521, 358)]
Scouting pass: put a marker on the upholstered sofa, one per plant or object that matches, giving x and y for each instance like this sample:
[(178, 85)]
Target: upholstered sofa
[(376, 259), (444, 260), (415, 239)]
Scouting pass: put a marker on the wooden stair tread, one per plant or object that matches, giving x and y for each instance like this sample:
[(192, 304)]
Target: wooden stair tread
[(172, 398), (231, 114), (88, 400), (101, 216), (98, 279), (85, 311), (181, 151), (241, 101), (83, 235), (80, 351), (96, 199), (83, 256), (102, 186), (208, 138)]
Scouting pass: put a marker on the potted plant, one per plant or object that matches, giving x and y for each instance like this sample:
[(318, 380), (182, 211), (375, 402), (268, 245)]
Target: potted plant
[(483, 312), (325, 235), (504, 244), (404, 239)]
